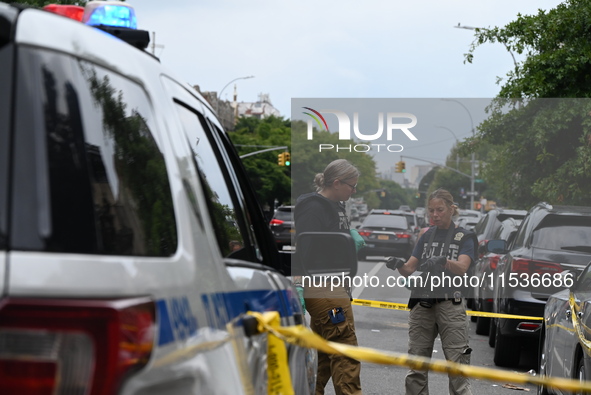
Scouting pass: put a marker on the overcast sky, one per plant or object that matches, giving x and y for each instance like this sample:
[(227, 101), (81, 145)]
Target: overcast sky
[(336, 49)]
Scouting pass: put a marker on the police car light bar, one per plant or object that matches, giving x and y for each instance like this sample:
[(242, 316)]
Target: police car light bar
[(114, 17), (109, 13)]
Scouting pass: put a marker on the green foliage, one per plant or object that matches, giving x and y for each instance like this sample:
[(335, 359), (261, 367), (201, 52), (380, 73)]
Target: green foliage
[(540, 149), (396, 196), (286, 183), (139, 163), (557, 45), (269, 180), (307, 161)]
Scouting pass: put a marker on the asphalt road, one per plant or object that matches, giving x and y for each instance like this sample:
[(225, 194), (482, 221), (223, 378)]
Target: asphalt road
[(387, 330)]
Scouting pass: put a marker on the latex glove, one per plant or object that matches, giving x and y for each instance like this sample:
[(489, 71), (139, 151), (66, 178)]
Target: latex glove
[(359, 242), (301, 296)]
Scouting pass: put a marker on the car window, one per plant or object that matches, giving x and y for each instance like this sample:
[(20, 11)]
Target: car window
[(563, 233), (107, 188), (221, 199), (584, 280), (504, 216), (522, 233), (284, 215), (389, 221), (481, 225)]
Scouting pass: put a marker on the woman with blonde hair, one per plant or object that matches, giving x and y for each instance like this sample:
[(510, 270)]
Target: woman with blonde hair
[(330, 310)]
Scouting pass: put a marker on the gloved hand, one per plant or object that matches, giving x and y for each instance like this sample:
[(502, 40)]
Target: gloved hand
[(394, 263), (435, 264), (359, 241)]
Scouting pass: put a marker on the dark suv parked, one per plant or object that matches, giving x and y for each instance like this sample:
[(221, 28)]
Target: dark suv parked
[(552, 244)]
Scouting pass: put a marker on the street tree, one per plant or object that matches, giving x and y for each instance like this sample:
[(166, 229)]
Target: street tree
[(539, 126), (308, 160), (271, 182)]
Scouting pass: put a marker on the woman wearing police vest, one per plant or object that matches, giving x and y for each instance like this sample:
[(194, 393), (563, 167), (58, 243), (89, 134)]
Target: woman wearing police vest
[(443, 254)]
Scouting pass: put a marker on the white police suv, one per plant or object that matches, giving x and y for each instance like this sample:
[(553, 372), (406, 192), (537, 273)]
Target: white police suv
[(131, 244)]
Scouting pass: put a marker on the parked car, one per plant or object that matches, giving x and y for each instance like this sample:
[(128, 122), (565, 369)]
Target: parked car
[(470, 213), (485, 270), (486, 226), (467, 223), (563, 346), (282, 226), (387, 233), (551, 239), (354, 216), (491, 222)]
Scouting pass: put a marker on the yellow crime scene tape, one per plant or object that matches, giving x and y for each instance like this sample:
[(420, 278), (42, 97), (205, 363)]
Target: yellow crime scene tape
[(402, 306), (299, 335)]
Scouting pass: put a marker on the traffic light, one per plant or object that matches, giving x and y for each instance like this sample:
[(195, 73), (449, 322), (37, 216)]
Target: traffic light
[(287, 158), (398, 167), (402, 167), (281, 159)]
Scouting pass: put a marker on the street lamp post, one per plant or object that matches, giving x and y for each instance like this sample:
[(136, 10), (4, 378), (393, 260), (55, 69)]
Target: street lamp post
[(457, 143), (217, 107), (472, 159)]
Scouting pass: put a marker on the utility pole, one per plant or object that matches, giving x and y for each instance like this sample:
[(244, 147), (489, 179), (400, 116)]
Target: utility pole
[(473, 157), (154, 45)]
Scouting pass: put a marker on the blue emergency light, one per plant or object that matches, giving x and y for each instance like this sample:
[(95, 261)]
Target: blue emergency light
[(109, 13)]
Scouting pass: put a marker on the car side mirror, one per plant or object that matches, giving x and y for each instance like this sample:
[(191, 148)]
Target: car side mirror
[(496, 246), (324, 253)]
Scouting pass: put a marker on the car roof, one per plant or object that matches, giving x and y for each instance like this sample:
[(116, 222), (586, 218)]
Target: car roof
[(395, 212), (559, 209)]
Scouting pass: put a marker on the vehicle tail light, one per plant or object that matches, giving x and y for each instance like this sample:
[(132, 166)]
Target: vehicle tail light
[(403, 235), (74, 347), (528, 326), (365, 233), (275, 222), (69, 11), (493, 261), (529, 266)]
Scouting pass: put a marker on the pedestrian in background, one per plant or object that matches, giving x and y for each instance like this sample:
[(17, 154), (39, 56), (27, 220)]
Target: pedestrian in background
[(446, 250), (331, 312)]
